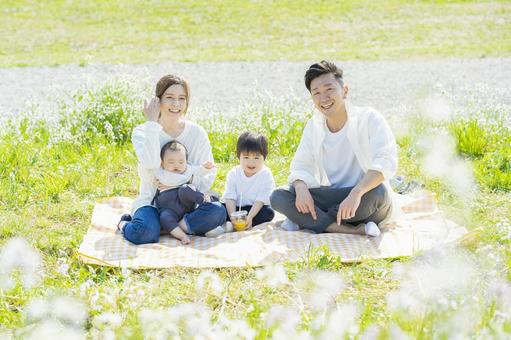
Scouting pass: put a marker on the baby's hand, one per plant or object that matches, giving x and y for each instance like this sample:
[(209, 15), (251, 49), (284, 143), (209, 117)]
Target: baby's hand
[(161, 186), (208, 165), (207, 198)]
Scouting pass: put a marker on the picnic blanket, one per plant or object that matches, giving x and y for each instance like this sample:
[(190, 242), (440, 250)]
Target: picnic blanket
[(420, 226)]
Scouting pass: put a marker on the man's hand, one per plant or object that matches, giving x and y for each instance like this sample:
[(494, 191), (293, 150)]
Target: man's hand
[(304, 201), (349, 206), (152, 109)]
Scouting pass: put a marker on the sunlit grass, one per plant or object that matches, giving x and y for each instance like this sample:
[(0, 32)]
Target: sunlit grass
[(50, 179), (68, 32)]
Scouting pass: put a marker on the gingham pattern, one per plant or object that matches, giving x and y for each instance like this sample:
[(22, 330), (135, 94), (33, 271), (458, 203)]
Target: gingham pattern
[(420, 227)]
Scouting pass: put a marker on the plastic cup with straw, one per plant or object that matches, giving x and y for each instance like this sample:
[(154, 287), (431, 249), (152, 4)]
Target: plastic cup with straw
[(239, 218)]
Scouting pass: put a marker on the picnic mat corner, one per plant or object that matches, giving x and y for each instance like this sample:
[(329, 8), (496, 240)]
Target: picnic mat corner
[(420, 226)]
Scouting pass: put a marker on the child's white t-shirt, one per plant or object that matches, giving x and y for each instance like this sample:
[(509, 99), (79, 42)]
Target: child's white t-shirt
[(257, 187)]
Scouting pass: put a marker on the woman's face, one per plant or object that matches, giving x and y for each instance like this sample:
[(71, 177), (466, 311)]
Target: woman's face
[(173, 102)]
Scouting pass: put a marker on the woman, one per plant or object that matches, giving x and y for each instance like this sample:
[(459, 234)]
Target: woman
[(164, 122)]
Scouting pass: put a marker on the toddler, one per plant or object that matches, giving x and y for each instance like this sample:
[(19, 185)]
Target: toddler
[(250, 184)]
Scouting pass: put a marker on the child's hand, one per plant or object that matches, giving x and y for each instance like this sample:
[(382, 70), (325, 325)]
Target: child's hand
[(161, 186), (208, 165), (249, 222), (207, 198)]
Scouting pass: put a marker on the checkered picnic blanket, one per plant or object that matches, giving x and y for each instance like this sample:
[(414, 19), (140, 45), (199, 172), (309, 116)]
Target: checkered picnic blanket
[(420, 226)]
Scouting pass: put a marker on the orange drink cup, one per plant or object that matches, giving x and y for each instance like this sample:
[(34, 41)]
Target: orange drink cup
[(239, 220)]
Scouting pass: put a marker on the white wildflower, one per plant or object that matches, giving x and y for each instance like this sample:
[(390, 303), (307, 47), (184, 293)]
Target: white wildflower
[(18, 255), (107, 320), (441, 161), (500, 292), (232, 329), (397, 333), (37, 309), (53, 329), (209, 282), (125, 272), (436, 108), (156, 325), (371, 333), (188, 318), (274, 275), (431, 280), (319, 288), (63, 266), (340, 322), (69, 310), (284, 318)]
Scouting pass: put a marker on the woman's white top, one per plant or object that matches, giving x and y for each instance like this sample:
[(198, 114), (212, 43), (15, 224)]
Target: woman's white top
[(148, 139), (257, 187)]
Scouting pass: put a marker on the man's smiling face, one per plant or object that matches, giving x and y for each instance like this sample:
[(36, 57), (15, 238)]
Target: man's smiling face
[(328, 94)]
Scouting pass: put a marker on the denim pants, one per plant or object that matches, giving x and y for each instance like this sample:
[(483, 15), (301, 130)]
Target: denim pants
[(375, 206), (145, 224)]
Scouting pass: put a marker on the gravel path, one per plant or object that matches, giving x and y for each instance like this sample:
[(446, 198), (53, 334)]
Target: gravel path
[(391, 86)]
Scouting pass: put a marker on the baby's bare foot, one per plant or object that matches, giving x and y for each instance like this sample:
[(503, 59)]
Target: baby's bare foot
[(185, 240)]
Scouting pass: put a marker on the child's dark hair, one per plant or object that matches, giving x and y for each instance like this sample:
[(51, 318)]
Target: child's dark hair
[(173, 145), (252, 142)]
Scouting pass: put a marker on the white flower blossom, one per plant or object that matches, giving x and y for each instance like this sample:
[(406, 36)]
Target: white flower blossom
[(18, 255), (319, 288), (274, 275), (209, 282)]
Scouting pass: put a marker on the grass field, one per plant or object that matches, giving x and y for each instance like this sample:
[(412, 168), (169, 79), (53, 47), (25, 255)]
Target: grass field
[(51, 177), (40, 33), (52, 174)]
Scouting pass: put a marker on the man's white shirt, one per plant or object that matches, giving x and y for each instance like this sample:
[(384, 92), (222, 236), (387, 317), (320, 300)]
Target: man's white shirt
[(368, 135), (341, 165)]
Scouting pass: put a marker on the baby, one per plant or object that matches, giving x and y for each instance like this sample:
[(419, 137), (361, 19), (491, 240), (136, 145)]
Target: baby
[(250, 184), (179, 196)]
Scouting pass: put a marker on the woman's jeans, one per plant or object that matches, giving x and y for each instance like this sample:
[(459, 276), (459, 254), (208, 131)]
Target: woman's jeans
[(145, 224)]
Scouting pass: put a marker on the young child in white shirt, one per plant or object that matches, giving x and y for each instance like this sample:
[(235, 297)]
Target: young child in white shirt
[(250, 184)]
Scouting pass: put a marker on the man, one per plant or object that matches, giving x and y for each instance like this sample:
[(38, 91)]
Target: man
[(339, 174)]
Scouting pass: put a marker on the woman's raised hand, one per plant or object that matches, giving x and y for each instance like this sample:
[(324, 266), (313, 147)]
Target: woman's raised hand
[(152, 109)]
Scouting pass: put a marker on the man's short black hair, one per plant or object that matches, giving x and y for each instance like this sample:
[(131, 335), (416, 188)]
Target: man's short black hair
[(318, 69), (252, 142), (173, 145)]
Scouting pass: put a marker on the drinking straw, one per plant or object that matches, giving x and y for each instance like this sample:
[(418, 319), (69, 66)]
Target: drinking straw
[(241, 195)]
